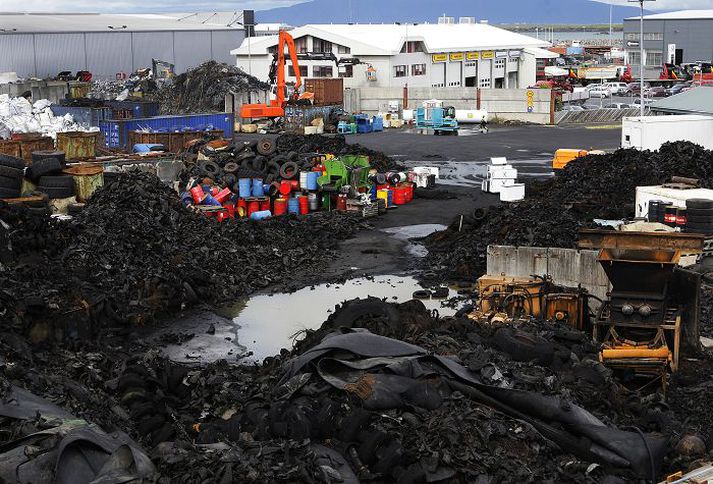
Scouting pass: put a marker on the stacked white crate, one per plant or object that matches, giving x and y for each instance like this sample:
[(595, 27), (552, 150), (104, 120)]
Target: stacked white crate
[(502, 178)]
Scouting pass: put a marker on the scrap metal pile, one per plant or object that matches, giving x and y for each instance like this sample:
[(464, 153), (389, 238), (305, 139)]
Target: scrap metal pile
[(135, 252), (203, 89), (593, 187), (381, 393)]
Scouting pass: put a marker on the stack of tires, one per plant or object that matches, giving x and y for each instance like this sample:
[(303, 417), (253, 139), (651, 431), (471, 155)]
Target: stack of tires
[(699, 215), (11, 174), (46, 173)]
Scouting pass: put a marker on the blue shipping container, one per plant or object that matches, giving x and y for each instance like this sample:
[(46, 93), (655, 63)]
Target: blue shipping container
[(82, 115), (116, 131), (139, 109)]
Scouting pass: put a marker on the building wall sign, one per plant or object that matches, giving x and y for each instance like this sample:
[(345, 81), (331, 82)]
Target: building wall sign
[(488, 54), (457, 56), (439, 57), (501, 54), (473, 55), (515, 53)]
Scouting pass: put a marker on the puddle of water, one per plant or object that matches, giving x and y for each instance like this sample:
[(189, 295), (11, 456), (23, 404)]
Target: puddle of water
[(472, 173), (269, 322), (408, 232)]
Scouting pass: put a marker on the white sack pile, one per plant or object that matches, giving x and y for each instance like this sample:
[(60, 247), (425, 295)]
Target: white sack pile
[(17, 115)]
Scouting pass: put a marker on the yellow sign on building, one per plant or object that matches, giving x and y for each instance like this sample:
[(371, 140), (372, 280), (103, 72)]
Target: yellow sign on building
[(488, 54), (439, 57), (473, 55), (457, 56)]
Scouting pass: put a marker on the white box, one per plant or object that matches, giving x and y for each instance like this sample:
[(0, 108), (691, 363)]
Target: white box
[(497, 172), (499, 161), (674, 195), (496, 184), (485, 186), (512, 193)]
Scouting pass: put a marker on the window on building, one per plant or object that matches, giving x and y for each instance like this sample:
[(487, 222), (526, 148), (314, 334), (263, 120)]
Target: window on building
[(400, 71), (653, 35), (631, 36), (321, 46), (346, 71), (499, 63), (322, 71), (484, 83), (654, 58), (418, 70), (413, 46), (634, 57), (291, 71), (301, 45), (272, 50), (342, 49)]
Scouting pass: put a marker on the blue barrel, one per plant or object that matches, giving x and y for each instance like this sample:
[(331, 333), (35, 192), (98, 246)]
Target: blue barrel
[(391, 198), (312, 180), (293, 206), (373, 191), (209, 200), (262, 215), (244, 187), (258, 190), (187, 199)]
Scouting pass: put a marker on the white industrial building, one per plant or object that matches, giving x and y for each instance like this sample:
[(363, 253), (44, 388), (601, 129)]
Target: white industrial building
[(44, 44), (464, 54)]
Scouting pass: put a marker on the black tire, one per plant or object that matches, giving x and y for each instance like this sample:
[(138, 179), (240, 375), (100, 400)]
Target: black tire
[(289, 170), (9, 193), (229, 180), (353, 311), (700, 219), (279, 159), (292, 155), (10, 172), (12, 183), (45, 154), (699, 212), (39, 211), (273, 168), (57, 181), (12, 162), (149, 424), (56, 192), (699, 203), (381, 179), (266, 146), (43, 167), (246, 155), (421, 294), (210, 168), (231, 167), (441, 292), (479, 214), (259, 163), (522, 346)]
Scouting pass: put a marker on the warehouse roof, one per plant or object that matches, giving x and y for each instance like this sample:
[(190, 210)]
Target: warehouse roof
[(695, 101), (678, 15), (387, 39), (21, 22)]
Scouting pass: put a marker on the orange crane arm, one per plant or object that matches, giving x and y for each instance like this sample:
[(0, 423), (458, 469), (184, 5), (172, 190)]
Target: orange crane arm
[(286, 39)]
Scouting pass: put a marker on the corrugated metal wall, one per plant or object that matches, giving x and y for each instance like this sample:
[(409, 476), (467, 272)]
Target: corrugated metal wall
[(106, 53)]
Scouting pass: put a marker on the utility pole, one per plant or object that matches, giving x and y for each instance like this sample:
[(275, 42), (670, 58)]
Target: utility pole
[(641, 53)]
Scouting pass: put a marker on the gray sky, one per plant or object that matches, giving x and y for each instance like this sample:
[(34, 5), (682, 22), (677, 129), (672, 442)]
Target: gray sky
[(226, 5)]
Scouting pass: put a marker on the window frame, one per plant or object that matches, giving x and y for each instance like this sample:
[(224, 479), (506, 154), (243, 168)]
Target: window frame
[(400, 68), (415, 72)]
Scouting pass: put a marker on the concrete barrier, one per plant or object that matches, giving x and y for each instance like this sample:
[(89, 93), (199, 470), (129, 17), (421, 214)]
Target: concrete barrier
[(51, 90)]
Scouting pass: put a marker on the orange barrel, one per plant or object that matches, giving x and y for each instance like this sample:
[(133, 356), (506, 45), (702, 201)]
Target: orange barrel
[(280, 207)]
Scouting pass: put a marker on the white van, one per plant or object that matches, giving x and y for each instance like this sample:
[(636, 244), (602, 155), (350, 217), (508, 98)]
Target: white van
[(617, 88)]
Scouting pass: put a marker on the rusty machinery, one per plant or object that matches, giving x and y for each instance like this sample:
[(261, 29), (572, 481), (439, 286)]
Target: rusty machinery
[(651, 302), (504, 298)]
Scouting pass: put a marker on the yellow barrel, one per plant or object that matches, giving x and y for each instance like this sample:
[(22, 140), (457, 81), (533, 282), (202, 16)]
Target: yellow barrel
[(87, 179), (383, 194), (77, 145)]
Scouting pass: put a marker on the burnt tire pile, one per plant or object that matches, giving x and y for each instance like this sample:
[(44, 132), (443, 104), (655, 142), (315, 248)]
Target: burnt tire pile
[(11, 175), (45, 172), (596, 186)]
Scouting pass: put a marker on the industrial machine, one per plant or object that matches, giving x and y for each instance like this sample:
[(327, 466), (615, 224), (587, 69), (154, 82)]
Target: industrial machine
[(276, 108), (651, 304), (506, 298), (437, 119)]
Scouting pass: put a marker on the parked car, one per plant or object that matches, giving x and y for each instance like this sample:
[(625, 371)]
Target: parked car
[(634, 88), (677, 88), (656, 91), (572, 107), (617, 88), (616, 106), (637, 103), (599, 91)]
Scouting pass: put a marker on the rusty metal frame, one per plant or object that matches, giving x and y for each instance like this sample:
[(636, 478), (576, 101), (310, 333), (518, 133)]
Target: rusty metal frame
[(611, 239)]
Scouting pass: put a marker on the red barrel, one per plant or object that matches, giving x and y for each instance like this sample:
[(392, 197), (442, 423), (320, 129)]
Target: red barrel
[(223, 195), (280, 207), (214, 191), (400, 195), (304, 205), (342, 202), (242, 208), (264, 204), (295, 184), (231, 209), (222, 215), (253, 206), (285, 188), (409, 192), (197, 194)]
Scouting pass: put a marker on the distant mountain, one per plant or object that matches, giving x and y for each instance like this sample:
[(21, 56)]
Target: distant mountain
[(389, 11)]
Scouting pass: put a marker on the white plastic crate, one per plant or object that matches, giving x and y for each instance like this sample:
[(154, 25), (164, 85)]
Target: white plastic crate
[(512, 193)]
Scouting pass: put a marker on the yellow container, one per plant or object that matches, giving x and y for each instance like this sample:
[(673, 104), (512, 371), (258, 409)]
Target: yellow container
[(87, 179), (383, 194), (564, 156), (81, 90), (77, 145)]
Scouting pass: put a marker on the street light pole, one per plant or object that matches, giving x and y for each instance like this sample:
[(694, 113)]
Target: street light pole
[(641, 53)]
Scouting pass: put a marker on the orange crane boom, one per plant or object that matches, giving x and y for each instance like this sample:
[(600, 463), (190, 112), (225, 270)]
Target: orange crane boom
[(276, 108)]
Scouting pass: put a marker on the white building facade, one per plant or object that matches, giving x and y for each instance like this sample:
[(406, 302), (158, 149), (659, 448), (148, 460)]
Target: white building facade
[(423, 55)]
